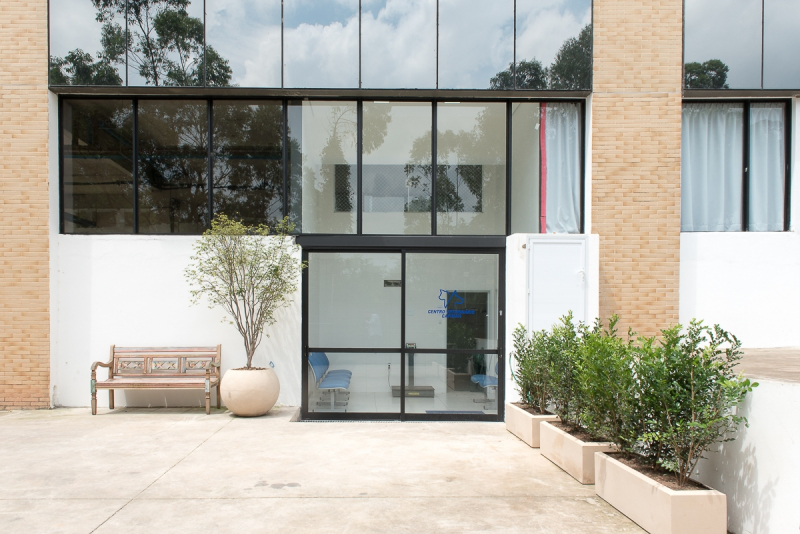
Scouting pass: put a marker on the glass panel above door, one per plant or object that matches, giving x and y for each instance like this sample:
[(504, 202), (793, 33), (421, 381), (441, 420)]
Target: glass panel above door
[(471, 168), (323, 171), (396, 171), (354, 300), (452, 301)]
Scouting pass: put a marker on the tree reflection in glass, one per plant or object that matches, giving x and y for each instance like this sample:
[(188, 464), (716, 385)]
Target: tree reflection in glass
[(323, 174), (173, 166), (396, 192), (97, 166), (248, 160), (471, 168)]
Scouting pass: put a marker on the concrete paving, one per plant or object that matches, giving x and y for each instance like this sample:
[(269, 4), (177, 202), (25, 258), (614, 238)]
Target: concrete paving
[(178, 470)]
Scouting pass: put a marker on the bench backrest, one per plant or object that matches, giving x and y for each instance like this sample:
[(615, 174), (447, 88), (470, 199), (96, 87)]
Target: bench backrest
[(319, 364), (166, 362)]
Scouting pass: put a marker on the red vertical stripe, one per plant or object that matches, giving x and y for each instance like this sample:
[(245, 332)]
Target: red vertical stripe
[(543, 169)]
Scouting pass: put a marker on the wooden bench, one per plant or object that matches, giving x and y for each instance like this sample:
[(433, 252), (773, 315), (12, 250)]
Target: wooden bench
[(159, 368)]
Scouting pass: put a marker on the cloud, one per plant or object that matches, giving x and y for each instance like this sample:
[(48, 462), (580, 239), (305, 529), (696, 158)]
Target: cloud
[(399, 44), (544, 25), (475, 41)]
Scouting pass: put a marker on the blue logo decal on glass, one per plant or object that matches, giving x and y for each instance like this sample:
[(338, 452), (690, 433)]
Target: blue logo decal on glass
[(450, 299)]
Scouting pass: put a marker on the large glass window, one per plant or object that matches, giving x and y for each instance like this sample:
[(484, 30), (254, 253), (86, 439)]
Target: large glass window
[(321, 43), (554, 46), (87, 44), (354, 300), (397, 168), (97, 166), (471, 168), (243, 43), (721, 160), (321, 186), (398, 44), (476, 41), (173, 166), (248, 160), (722, 44), (323, 182)]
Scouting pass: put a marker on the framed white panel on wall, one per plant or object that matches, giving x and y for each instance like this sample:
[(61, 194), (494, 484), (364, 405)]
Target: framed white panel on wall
[(558, 276)]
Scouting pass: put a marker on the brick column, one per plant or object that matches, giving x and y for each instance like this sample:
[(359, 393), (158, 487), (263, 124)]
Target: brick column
[(636, 159), (24, 253)]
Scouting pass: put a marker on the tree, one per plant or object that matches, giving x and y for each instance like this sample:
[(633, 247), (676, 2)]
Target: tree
[(246, 272), (572, 68), (529, 75), (164, 44), (713, 74)]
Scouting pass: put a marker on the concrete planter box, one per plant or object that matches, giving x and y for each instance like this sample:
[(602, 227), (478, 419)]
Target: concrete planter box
[(655, 507), (574, 456), (524, 424)]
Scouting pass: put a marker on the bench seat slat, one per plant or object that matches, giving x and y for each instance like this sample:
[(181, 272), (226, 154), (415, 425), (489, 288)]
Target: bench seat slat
[(166, 383)]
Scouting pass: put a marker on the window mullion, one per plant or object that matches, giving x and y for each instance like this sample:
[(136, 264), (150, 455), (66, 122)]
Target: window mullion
[(746, 168)]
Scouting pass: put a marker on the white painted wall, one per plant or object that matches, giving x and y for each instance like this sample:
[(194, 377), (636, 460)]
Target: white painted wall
[(759, 471), (518, 284), (130, 291), (748, 282)]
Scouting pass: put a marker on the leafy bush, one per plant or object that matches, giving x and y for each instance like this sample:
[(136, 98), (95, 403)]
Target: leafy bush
[(607, 386), (668, 400), (690, 380)]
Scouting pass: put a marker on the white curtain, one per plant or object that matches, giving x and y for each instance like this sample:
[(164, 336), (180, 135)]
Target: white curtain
[(767, 167), (561, 163), (711, 167)]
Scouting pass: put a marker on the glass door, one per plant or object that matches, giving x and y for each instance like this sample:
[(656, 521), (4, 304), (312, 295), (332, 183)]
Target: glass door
[(402, 335)]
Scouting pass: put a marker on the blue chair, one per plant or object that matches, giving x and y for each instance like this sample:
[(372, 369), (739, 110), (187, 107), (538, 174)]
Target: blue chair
[(327, 380), (486, 382)]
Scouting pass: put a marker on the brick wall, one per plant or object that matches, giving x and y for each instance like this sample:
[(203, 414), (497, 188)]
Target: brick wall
[(24, 258), (636, 145)]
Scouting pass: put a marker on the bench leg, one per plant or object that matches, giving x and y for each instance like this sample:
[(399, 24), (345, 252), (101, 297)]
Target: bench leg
[(110, 399), (208, 402), (94, 403), (219, 397)]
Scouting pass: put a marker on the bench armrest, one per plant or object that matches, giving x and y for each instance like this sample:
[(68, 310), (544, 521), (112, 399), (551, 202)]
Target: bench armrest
[(102, 364)]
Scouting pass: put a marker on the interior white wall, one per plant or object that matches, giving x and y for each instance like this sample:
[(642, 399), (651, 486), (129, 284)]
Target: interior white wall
[(758, 471), (130, 291)]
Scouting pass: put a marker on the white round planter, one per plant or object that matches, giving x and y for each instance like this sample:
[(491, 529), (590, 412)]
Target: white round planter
[(250, 392)]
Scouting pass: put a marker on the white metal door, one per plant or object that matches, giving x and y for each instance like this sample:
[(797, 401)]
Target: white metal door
[(556, 281)]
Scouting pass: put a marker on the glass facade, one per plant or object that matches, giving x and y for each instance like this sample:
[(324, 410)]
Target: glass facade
[(248, 160), (397, 168), (741, 44), (244, 37), (323, 182), (471, 168), (173, 166), (378, 44), (97, 166), (332, 167)]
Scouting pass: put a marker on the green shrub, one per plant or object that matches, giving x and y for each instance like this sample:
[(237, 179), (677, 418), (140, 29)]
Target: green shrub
[(530, 375), (563, 349), (690, 385), (607, 386)]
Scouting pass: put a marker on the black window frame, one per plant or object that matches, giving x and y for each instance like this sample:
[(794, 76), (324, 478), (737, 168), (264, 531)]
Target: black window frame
[(787, 184), (285, 102)]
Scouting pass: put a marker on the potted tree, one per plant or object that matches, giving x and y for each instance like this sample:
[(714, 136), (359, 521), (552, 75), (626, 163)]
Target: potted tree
[(250, 272)]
